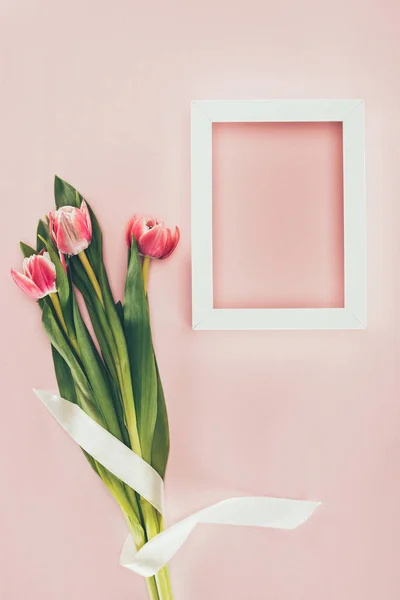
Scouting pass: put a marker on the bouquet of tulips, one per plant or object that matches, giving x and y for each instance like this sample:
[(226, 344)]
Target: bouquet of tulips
[(114, 378)]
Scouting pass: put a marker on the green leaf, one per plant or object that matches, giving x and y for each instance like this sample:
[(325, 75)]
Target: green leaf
[(26, 250), (108, 403), (67, 391), (104, 337), (116, 332), (123, 495), (63, 284), (120, 310), (64, 193), (66, 388), (75, 386), (160, 449), (113, 332), (59, 341), (65, 382), (42, 235), (96, 375), (141, 354), (96, 313), (94, 251)]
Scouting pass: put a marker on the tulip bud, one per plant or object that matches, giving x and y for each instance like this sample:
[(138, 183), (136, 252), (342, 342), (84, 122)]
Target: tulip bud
[(39, 276), (154, 239), (71, 229)]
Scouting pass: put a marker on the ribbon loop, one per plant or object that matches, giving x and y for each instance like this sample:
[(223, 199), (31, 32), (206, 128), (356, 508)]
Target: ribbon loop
[(106, 449), (279, 513)]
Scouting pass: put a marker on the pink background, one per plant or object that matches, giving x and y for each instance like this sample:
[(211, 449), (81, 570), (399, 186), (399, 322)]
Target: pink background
[(100, 94), (278, 215)]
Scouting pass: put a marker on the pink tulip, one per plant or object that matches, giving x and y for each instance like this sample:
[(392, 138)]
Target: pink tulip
[(39, 276), (71, 228), (154, 239)]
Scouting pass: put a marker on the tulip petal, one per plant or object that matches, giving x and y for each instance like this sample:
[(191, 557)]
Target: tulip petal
[(129, 232), (72, 234), (38, 276), (27, 285), (140, 226), (26, 266), (39, 269), (152, 242), (135, 228), (64, 242), (86, 214), (71, 228), (80, 224), (173, 242), (44, 274), (62, 260), (153, 237), (53, 228)]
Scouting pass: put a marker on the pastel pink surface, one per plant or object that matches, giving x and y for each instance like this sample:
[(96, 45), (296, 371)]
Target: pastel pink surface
[(278, 215), (100, 94)]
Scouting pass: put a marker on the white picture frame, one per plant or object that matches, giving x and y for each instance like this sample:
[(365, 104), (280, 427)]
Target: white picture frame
[(351, 113)]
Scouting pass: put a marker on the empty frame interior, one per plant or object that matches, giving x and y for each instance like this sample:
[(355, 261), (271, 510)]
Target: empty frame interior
[(278, 215)]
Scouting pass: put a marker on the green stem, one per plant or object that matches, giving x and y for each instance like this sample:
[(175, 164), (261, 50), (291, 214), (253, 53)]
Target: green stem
[(159, 587), (152, 519), (145, 271), (164, 584), (125, 386), (57, 307), (92, 277), (152, 588), (138, 534), (152, 526), (140, 540)]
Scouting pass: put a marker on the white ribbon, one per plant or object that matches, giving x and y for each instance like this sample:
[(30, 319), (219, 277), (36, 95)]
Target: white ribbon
[(279, 513)]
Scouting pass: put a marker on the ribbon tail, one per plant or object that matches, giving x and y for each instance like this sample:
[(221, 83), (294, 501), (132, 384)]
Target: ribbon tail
[(278, 513)]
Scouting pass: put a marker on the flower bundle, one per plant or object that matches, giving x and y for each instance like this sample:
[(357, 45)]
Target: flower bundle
[(112, 374)]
